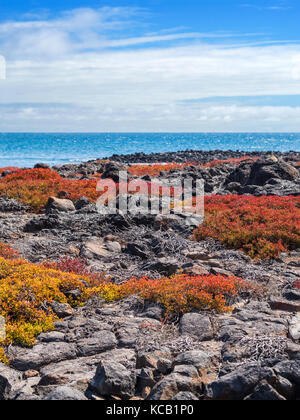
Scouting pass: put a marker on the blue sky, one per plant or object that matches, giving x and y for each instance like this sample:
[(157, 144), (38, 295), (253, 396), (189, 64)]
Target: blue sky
[(152, 65), (279, 19)]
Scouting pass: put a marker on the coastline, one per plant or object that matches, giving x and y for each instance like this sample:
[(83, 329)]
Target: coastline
[(25, 149)]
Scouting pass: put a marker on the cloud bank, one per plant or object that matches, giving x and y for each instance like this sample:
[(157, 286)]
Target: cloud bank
[(88, 70)]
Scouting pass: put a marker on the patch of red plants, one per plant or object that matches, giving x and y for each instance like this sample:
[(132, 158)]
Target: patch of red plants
[(8, 252), (262, 227), (34, 186), (297, 285), (76, 266), (69, 265)]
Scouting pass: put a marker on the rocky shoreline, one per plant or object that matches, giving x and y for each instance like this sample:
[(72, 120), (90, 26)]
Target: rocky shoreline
[(124, 350), (198, 156)]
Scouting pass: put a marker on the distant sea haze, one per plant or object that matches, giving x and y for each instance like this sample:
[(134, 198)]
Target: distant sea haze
[(27, 149)]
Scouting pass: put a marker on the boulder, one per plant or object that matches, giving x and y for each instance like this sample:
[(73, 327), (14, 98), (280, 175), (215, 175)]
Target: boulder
[(113, 246), (197, 325), (65, 393), (38, 224), (59, 205), (81, 203), (239, 175), (62, 310), (83, 369), (289, 369), (94, 249), (112, 171), (129, 332), (284, 387), (238, 384), (183, 379), (266, 169), (186, 370), (164, 266), (145, 379), (164, 365), (265, 392), (101, 341), (294, 330), (97, 248), (233, 187), (154, 360), (138, 250), (40, 355), (293, 350), (113, 379), (41, 166), (196, 358), (8, 378)]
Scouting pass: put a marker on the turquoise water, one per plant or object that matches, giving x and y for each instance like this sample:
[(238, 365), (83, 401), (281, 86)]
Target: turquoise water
[(26, 149)]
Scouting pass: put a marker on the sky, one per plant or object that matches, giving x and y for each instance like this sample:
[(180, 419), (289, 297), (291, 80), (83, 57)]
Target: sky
[(150, 66)]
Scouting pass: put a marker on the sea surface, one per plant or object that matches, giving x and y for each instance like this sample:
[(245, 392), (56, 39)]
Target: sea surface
[(27, 149)]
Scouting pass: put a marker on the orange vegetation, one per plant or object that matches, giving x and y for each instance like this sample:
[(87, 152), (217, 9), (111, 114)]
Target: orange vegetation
[(26, 290), (183, 293)]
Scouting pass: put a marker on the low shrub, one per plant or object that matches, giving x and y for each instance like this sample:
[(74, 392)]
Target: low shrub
[(262, 227), (33, 187), (8, 252), (182, 293), (25, 291), (69, 265)]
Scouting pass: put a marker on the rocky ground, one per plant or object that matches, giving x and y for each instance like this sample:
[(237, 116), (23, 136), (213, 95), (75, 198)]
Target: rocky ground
[(123, 350)]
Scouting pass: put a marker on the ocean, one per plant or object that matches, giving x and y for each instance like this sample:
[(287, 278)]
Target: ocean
[(27, 149)]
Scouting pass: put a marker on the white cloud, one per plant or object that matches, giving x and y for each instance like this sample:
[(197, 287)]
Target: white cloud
[(270, 5), (62, 75), (72, 31)]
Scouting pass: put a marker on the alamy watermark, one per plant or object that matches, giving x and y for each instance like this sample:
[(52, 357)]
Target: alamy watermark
[(2, 68), (2, 328), (181, 196)]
